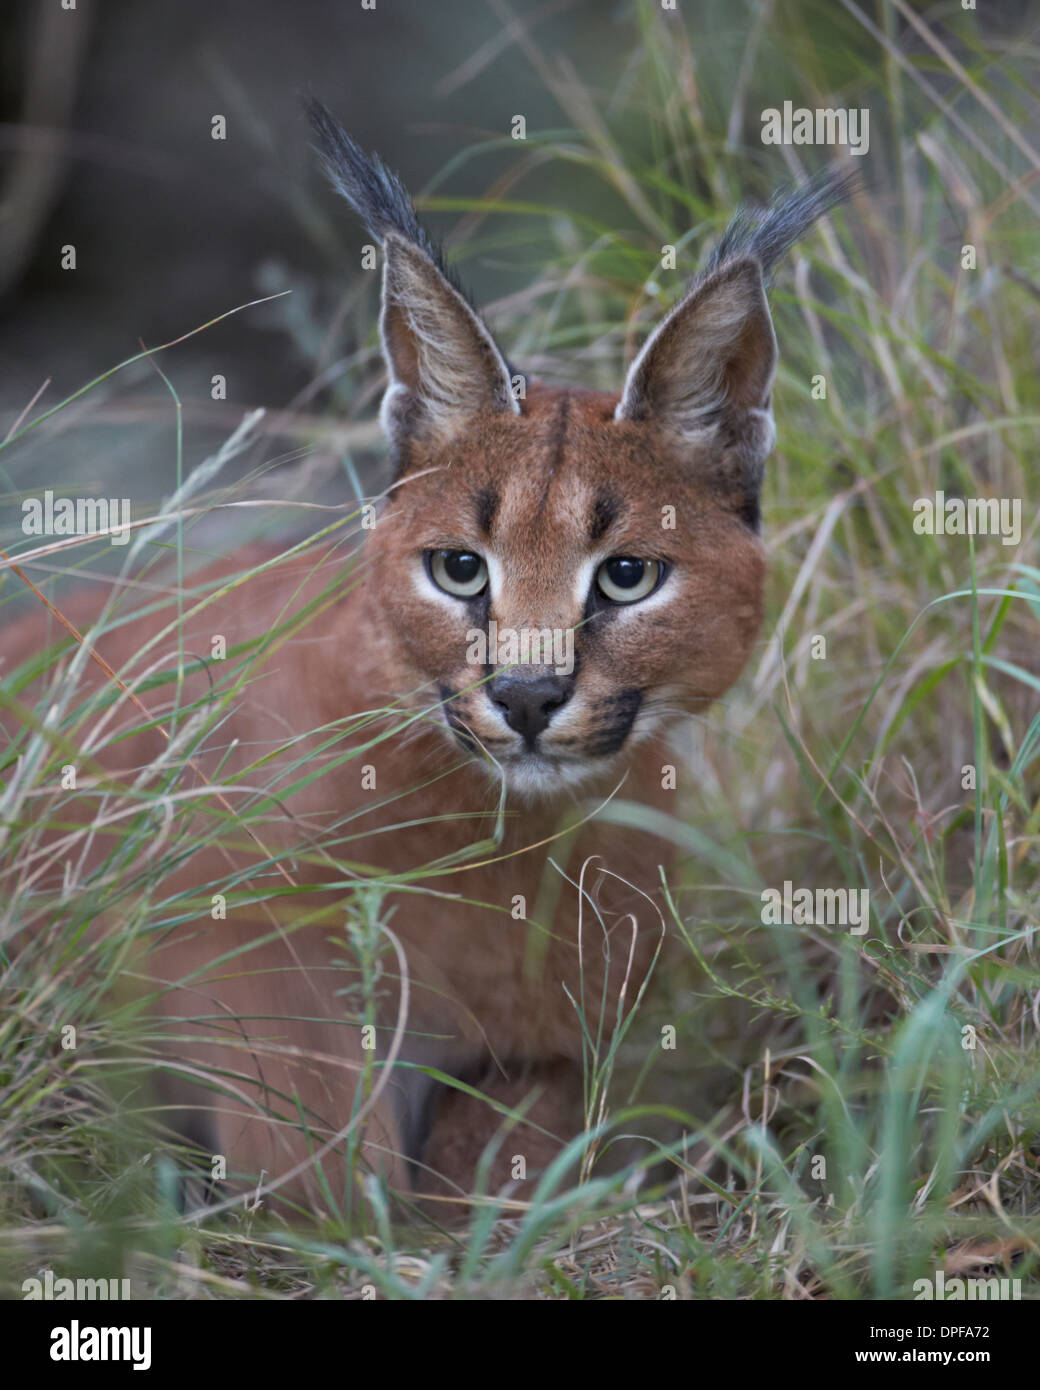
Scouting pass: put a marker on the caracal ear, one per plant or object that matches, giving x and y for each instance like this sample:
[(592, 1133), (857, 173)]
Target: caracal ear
[(444, 365), (707, 371)]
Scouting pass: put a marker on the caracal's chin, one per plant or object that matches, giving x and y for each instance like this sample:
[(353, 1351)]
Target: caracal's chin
[(537, 776)]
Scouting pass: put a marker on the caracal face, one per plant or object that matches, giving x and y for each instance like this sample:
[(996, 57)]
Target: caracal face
[(565, 584)]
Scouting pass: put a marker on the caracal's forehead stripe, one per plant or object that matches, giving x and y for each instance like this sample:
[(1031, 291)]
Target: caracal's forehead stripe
[(605, 511), (556, 449), (485, 505)]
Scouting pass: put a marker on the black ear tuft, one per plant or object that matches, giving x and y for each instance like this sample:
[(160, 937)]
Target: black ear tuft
[(706, 372), (444, 364), (374, 192), (767, 234)]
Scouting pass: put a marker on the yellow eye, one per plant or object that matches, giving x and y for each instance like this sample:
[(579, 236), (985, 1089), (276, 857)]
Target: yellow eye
[(460, 573), (624, 579)]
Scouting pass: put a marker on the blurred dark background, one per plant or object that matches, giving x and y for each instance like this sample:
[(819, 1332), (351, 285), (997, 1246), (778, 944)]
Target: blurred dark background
[(106, 145)]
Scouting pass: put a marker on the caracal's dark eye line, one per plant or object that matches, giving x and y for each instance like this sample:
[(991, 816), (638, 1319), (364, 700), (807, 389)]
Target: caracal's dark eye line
[(461, 573), (625, 579)]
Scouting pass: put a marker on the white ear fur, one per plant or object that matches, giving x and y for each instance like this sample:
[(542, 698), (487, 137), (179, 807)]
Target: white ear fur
[(711, 360), (443, 363)]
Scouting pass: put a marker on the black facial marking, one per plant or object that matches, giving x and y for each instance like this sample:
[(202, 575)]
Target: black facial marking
[(487, 501), (605, 511), (751, 512), (598, 611), (614, 724)]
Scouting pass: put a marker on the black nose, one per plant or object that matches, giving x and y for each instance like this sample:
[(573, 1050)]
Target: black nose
[(529, 702)]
